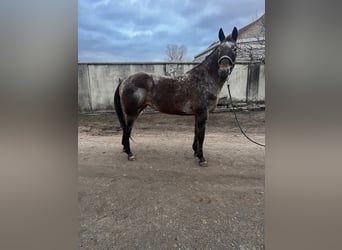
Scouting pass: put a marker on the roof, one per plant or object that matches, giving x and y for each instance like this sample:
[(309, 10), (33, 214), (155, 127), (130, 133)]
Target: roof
[(253, 29)]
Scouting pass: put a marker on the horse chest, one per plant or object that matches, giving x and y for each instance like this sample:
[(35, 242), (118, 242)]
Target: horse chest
[(212, 101)]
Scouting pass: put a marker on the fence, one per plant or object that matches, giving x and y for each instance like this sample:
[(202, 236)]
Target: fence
[(98, 81)]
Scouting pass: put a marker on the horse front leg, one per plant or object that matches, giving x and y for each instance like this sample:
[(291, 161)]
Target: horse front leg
[(194, 144), (200, 122)]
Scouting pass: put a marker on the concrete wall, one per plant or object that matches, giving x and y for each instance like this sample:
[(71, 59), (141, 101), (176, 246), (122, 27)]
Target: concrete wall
[(247, 83), (98, 81)]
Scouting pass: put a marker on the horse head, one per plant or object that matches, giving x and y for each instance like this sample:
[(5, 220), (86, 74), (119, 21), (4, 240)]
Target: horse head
[(226, 53)]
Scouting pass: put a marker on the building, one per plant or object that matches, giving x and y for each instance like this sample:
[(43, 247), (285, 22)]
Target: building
[(251, 43)]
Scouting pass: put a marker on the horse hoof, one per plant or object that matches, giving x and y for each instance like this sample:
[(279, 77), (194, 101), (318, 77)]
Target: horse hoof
[(131, 158), (203, 163)]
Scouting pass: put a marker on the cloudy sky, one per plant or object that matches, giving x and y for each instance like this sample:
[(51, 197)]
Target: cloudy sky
[(139, 30)]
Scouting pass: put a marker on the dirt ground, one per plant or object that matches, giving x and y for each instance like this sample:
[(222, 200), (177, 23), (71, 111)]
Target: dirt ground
[(164, 199)]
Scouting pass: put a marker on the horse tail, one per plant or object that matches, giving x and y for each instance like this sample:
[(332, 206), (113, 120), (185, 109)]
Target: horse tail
[(118, 107)]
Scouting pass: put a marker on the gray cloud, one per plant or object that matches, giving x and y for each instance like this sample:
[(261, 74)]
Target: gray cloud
[(139, 30)]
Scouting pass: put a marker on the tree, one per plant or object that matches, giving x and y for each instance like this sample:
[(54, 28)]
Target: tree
[(175, 53)]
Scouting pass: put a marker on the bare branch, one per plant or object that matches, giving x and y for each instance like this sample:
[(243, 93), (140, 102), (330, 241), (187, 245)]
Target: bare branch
[(175, 53)]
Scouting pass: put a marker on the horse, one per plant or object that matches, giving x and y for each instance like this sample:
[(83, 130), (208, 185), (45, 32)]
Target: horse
[(193, 93)]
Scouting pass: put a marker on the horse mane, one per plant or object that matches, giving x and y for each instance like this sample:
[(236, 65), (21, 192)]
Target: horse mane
[(205, 59)]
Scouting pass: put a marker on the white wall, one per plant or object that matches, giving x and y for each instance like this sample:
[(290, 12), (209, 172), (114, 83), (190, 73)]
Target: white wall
[(238, 83), (262, 81)]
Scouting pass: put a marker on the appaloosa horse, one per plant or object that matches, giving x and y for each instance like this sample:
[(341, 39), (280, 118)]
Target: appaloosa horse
[(194, 93)]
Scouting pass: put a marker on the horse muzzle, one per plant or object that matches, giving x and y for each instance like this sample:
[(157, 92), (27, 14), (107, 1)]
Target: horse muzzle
[(226, 66), (224, 72)]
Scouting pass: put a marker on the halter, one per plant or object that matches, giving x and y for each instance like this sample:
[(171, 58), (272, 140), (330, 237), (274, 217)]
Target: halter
[(226, 57)]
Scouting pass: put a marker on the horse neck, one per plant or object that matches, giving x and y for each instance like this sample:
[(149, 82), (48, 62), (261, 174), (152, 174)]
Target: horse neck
[(210, 67)]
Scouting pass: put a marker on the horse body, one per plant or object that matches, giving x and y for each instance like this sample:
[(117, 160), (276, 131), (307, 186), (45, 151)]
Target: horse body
[(194, 93)]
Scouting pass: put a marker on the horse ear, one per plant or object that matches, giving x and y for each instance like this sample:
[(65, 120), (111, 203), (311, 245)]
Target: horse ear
[(221, 35), (234, 34)]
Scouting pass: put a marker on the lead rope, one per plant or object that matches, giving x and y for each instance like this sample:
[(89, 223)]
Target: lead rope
[(238, 123)]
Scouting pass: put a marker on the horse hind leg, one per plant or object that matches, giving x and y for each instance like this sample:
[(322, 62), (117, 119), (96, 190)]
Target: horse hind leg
[(130, 119), (126, 137), (134, 105)]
